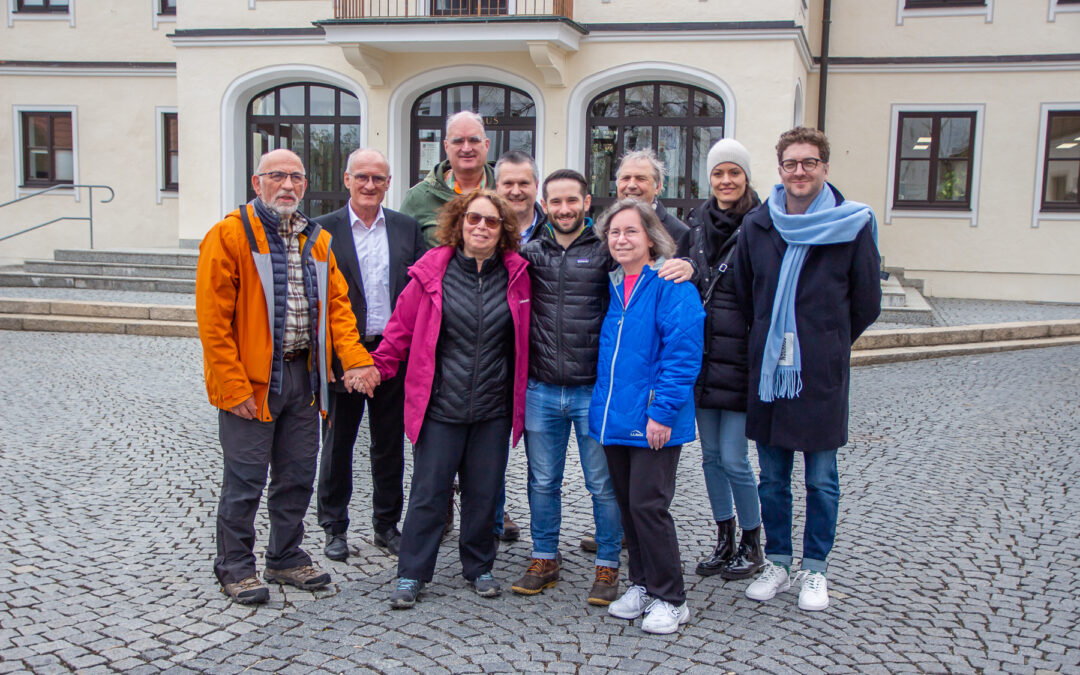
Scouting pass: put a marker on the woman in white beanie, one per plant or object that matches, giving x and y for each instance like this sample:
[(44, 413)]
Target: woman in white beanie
[(722, 385)]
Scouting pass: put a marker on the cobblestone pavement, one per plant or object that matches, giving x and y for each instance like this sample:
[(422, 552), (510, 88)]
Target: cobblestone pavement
[(957, 549)]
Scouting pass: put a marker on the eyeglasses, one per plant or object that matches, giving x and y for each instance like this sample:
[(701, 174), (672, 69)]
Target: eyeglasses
[(376, 180), (808, 164), (473, 218), (280, 176), (458, 141)]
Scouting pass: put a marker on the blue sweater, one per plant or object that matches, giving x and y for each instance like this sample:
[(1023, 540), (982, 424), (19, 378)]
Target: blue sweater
[(650, 355)]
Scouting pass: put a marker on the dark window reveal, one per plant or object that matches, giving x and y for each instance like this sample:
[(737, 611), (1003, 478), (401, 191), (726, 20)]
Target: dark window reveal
[(48, 153), (171, 146), (1061, 162)]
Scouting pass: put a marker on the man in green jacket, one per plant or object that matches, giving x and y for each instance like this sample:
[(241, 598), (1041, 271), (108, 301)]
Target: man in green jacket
[(464, 170)]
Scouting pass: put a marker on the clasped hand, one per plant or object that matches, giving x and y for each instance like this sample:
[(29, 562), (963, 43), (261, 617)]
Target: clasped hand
[(363, 380)]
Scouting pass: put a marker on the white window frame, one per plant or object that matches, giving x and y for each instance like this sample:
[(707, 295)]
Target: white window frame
[(1056, 8), (971, 214), (16, 123), (159, 114), (903, 13), (1037, 213), (156, 17), (13, 16)]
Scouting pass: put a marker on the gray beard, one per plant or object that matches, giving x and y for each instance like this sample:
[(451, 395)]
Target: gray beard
[(282, 211)]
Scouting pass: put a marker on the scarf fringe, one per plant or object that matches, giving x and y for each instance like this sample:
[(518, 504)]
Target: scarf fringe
[(786, 384)]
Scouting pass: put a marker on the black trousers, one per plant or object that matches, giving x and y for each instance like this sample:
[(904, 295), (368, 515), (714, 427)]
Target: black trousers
[(644, 482), (288, 447), (386, 417), (477, 454)]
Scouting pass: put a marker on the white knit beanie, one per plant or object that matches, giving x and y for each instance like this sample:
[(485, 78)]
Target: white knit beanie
[(730, 150)]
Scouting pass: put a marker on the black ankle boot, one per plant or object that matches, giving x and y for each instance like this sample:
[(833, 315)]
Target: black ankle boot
[(748, 559), (725, 549)]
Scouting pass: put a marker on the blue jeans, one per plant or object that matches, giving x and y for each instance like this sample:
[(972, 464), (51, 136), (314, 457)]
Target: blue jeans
[(725, 460), (822, 504), (549, 412)]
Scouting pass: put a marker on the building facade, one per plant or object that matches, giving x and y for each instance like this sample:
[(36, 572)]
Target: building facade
[(957, 121)]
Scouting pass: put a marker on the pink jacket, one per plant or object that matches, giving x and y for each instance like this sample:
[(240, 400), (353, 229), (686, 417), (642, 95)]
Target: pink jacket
[(413, 331)]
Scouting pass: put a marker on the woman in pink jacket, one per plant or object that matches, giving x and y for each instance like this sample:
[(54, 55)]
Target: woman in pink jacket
[(462, 325)]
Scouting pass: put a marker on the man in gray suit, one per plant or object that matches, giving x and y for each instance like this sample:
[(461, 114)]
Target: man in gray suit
[(374, 247)]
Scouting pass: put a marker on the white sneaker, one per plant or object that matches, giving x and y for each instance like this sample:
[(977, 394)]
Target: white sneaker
[(814, 595), (663, 617), (631, 604), (772, 580)]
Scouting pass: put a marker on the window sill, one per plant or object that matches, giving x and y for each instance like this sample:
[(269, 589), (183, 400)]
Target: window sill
[(910, 212), (14, 16)]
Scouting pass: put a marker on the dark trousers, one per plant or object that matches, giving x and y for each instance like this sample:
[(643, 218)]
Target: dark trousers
[(288, 447), (387, 454), (644, 482), (477, 454)]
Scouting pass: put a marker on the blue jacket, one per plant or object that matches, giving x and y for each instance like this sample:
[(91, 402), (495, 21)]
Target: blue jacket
[(650, 355)]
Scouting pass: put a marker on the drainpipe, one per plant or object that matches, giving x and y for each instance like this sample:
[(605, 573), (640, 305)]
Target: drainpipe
[(823, 79)]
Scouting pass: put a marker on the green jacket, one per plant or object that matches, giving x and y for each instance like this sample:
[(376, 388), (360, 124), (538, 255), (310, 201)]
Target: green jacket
[(424, 199)]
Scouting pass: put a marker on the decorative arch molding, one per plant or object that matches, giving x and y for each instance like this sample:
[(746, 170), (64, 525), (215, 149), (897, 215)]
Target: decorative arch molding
[(234, 104), (588, 88), (401, 101)]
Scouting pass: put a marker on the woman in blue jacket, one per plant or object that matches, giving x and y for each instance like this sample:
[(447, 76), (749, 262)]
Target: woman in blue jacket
[(642, 408)]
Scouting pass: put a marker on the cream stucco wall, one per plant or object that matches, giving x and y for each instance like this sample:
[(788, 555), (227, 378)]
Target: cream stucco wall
[(102, 31), (862, 28), (1015, 259)]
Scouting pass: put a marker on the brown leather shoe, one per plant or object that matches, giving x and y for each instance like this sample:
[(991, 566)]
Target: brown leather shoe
[(511, 531), (542, 573), (606, 587), (249, 591), (304, 577)]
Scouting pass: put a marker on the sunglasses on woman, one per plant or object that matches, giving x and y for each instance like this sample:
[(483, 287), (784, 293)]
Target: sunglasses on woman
[(474, 218)]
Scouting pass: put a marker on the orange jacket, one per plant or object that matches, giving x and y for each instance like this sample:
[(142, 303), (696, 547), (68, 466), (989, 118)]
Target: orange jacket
[(234, 322)]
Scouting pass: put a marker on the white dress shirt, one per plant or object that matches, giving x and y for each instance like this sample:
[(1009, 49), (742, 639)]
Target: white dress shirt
[(373, 253)]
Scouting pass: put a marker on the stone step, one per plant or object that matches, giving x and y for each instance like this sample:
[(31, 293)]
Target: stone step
[(869, 357), (39, 280), (81, 308), (133, 256), (892, 293), (82, 324), (960, 335), (110, 269), (915, 310)]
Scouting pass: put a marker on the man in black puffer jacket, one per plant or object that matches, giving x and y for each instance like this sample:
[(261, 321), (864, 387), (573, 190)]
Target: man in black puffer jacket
[(569, 268)]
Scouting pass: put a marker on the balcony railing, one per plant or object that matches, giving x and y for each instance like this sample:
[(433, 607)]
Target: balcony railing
[(392, 9)]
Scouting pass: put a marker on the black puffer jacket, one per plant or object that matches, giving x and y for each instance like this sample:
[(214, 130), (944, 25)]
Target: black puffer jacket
[(473, 359), (569, 300), (722, 382)]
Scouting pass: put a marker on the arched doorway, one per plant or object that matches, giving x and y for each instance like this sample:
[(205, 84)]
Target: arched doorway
[(680, 122), (319, 122), (509, 119)]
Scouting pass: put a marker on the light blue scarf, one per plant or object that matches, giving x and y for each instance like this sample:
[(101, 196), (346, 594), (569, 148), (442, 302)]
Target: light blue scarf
[(825, 222)]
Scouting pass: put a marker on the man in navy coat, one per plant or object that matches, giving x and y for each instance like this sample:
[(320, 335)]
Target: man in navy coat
[(807, 281), (374, 248)]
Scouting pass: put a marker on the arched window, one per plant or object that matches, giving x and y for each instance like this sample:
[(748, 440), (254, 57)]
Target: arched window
[(678, 121), (509, 118), (320, 123)]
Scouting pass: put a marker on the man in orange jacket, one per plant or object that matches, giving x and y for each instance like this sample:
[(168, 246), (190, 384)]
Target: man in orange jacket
[(273, 310)]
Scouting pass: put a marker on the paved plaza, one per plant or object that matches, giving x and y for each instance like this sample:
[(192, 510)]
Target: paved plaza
[(957, 550)]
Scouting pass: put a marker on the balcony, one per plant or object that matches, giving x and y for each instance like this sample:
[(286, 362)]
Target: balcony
[(398, 9), (370, 32)]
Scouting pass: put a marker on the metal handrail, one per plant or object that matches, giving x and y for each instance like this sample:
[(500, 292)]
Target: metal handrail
[(89, 217)]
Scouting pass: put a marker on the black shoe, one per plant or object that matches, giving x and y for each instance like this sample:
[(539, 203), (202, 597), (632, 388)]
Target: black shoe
[(749, 558), (337, 547), (389, 540), (724, 551)]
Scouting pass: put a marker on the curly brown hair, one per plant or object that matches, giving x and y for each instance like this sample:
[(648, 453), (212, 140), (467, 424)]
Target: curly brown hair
[(803, 135), (452, 216)]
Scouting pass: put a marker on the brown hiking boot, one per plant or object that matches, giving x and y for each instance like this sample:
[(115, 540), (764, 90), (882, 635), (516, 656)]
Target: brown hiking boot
[(542, 573), (249, 591), (606, 587), (304, 577)]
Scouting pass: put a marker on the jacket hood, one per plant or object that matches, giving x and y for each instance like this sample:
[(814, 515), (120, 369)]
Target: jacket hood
[(430, 269)]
